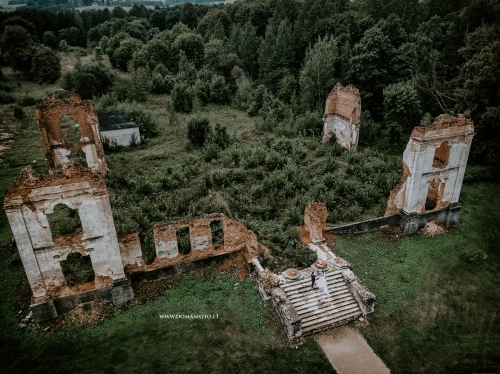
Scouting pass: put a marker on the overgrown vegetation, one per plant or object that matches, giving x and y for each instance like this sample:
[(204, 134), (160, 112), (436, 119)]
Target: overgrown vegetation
[(64, 220), (217, 229), (229, 99), (77, 269)]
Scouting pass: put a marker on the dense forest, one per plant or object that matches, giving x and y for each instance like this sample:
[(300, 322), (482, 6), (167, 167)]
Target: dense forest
[(410, 60)]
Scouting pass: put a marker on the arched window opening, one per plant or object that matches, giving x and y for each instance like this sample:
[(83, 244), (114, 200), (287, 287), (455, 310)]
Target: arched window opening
[(63, 220), (77, 269)]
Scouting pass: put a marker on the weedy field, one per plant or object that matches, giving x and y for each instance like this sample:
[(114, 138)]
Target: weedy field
[(437, 297)]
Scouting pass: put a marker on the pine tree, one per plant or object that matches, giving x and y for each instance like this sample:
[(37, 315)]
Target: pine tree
[(276, 53), (318, 75), (248, 48)]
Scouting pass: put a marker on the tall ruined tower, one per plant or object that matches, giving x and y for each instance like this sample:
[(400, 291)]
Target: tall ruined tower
[(32, 197)]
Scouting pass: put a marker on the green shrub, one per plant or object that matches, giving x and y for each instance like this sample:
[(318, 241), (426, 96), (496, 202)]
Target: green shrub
[(242, 99), (92, 79), (26, 101), (202, 85), (198, 130), (19, 112), (77, 269), (134, 89), (310, 123), (7, 87), (183, 241), (257, 100), (219, 91), (183, 96), (217, 233), (162, 82), (6, 98), (219, 136), (45, 65)]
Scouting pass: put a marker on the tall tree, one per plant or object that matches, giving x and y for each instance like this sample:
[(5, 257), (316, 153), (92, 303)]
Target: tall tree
[(479, 90), (401, 112), (189, 15), (248, 48), (276, 53), (371, 69), (17, 48), (318, 75)]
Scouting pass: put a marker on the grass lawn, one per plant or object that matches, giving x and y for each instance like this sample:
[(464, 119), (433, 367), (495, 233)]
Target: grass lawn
[(437, 298), (245, 338)]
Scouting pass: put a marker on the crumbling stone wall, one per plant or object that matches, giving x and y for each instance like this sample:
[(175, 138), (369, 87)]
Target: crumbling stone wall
[(32, 197), (315, 216), (342, 116), (434, 163), (57, 149), (236, 237)]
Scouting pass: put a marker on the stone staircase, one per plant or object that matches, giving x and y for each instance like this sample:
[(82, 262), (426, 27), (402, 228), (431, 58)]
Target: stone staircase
[(319, 311)]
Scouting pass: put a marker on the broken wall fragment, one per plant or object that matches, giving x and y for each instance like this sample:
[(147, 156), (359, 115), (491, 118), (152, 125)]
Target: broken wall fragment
[(434, 163), (32, 197), (342, 116)]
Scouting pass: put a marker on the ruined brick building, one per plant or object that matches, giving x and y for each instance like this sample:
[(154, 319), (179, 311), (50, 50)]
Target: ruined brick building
[(342, 116), (434, 164), (115, 259), (31, 198)]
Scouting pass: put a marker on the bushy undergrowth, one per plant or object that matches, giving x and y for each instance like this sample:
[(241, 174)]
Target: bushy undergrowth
[(265, 184)]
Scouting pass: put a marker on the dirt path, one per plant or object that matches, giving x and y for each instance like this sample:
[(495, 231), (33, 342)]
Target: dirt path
[(349, 353)]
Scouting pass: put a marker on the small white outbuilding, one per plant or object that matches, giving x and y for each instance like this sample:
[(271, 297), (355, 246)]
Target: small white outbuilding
[(117, 130)]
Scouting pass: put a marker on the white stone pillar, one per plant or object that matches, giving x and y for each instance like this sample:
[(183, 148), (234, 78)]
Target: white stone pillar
[(25, 249)]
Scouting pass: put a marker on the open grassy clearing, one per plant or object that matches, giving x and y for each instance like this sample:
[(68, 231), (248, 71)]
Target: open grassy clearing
[(437, 298)]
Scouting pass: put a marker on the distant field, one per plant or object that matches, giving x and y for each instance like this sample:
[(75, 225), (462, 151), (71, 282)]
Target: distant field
[(11, 8)]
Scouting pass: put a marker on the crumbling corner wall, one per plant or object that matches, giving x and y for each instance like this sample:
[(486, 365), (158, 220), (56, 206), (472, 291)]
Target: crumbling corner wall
[(434, 163), (57, 149), (342, 116), (315, 216)]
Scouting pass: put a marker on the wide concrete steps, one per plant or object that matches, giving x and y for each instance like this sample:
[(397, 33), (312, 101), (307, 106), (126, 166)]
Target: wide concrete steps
[(319, 311)]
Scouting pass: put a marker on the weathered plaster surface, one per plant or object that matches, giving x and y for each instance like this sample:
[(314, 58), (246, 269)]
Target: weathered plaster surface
[(342, 116), (130, 249), (434, 163), (57, 149), (315, 216)]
